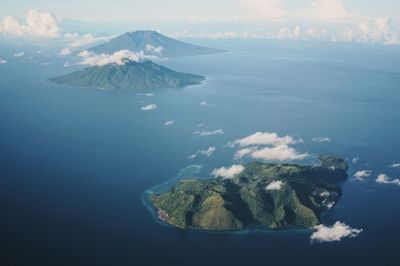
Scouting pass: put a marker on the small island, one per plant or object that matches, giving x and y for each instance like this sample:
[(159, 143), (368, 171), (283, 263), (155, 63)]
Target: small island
[(270, 195), (131, 75)]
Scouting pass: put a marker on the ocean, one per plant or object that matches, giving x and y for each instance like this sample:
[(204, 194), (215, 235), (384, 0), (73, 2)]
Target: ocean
[(75, 162)]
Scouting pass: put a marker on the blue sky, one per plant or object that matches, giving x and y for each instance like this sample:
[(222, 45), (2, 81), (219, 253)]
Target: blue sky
[(173, 10)]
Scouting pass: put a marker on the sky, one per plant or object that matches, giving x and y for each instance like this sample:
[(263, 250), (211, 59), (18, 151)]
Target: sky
[(176, 10), (364, 21)]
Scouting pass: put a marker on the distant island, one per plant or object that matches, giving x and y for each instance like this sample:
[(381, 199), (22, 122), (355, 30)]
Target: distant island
[(132, 75), (270, 195), (152, 43)]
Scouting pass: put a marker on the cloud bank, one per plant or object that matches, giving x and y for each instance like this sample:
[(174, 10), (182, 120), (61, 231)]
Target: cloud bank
[(37, 24), (333, 233), (228, 172)]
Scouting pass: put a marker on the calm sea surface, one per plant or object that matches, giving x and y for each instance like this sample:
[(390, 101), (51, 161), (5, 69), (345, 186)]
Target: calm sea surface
[(75, 162)]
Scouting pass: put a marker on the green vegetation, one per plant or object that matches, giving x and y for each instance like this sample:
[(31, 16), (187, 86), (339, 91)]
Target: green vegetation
[(234, 203), (132, 75)]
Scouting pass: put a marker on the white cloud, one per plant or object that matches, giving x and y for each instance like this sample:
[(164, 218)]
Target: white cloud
[(377, 30), (327, 10), (395, 165), (169, 123), (325, 194), (264, 138), (228, 172), (38, 24), (19, 54), (145, 94), (268, 146), (360, 175), (203, 103), (203, 133), (149, 107), (321, 139), (119, 58), (355, 160), (276, 153), (207, 152), (154, 50), (336, 232), (2, 61), (274, 185), (244, 152), (328, 204), (220, 35), (75, 40), (65, 51), (265, 9), (384, 179)]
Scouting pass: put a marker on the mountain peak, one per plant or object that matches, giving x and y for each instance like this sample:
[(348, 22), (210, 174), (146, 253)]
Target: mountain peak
[(151, 42)]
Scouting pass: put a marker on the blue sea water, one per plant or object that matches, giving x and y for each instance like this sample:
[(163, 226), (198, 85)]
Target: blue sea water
[(75, 162)]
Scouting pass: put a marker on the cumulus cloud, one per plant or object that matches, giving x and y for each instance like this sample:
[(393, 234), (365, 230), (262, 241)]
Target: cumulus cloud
[(274, 185), (119, 58), (384, 179), (154, 50), (276, 153), (229, 172), (149, 107), (205, 133), (264, 138), (19, 54), (395, 165), (355, 160), (268, 146), (38, 24), (2, 61), (203, 103), (333, 233), (360, 175), (169, 122), (321, 139)]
